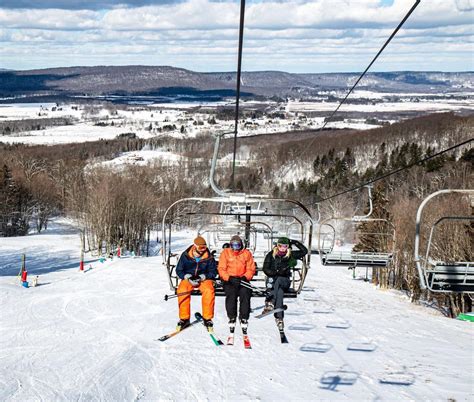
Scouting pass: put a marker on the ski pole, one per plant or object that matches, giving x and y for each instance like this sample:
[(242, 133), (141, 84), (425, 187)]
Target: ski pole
[(249, 286), (178, 294)]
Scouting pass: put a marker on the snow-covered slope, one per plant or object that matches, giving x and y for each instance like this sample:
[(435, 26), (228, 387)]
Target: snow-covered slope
[(91, 336)]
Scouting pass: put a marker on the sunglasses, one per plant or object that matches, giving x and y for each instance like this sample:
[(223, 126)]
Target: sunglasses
[(235, 245), (283, 245), (200, 248)]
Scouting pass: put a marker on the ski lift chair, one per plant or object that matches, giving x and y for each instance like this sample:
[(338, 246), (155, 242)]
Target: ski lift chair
[(255, 226), (258, 248), (329, 256), (368, 259), (326, 239), (435, 274), (242, 208)]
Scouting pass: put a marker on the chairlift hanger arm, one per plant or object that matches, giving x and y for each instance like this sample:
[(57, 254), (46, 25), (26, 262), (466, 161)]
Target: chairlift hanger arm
[(364, 217)]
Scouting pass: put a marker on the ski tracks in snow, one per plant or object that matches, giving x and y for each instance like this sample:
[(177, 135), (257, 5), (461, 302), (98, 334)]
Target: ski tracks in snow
[(371, 362), (127, 356)]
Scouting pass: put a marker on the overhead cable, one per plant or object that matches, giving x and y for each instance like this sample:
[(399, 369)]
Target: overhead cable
[(384, 176), (328, 119)]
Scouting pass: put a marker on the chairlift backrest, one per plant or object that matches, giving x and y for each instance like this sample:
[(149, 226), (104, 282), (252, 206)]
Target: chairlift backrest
[(436, 275), (329, 255)]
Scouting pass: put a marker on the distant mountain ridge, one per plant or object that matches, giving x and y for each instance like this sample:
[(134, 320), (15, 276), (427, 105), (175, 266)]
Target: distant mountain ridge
[(156, 80)]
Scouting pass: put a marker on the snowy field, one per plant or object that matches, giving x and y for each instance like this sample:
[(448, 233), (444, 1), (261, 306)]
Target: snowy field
[(91, 336), (91, 123)]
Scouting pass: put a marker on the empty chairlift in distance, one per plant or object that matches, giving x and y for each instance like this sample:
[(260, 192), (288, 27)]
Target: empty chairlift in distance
[(333, 232), (444, 242)]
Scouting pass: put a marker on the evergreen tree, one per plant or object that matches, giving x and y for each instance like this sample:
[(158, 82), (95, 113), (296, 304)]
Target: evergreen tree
[(349, 159), (435, 164), (15, 210), (316, 165)]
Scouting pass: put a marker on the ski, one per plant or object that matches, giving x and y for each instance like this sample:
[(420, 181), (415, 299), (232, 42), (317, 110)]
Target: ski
[(247, 343), (275, 310), (215, 339), (176, 332), (211, 333), (245, 337), (283, 337), (230, 340)]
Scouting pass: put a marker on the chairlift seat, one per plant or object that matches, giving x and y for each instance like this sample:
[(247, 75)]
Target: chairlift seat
[(367, 259), (454, 277)]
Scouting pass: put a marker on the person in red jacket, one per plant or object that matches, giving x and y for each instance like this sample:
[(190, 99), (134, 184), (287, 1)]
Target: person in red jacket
[(236, 265)]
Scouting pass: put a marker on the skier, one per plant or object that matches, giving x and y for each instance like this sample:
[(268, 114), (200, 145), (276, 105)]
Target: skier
[(277, 267), (236, 266), (197, 270)]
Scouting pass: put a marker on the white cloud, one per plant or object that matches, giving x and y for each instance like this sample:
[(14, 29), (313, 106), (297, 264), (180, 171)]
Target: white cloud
[(53, 19), (465, 5), (339, 35)]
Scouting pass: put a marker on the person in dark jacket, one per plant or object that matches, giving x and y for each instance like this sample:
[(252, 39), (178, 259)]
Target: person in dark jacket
[(277, 267), (197, 269)]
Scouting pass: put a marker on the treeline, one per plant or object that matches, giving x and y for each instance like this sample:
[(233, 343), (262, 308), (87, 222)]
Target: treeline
[(113, 206), (9, 127)]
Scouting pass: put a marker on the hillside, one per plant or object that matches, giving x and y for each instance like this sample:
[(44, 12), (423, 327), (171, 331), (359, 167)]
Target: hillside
[(165, 80)]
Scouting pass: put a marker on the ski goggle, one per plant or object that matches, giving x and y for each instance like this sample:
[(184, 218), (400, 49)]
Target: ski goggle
[(283, 246), (235, 245)]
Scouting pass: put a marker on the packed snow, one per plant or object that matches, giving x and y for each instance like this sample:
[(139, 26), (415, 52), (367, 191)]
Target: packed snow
[(92, 336)]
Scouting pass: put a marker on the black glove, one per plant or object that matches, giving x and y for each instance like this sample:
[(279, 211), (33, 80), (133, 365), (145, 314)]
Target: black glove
[(243, 279), (235, 280)]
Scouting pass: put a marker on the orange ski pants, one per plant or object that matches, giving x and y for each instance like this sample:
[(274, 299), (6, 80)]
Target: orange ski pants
[(206, 288)]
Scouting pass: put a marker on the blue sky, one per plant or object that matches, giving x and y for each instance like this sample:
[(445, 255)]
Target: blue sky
[(201, 35)]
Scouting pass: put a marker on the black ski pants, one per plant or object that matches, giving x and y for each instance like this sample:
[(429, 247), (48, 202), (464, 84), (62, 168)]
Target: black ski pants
[(233, 292), (280, 285)]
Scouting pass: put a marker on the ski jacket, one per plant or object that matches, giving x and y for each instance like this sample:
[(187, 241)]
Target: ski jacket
[(232, 264), (275, 265), (187, 264)]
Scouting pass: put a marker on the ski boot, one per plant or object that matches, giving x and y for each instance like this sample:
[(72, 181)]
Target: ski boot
[(232, 325), (182, 323), (209, 325), (280, 324), (268, 307), (244, 324)]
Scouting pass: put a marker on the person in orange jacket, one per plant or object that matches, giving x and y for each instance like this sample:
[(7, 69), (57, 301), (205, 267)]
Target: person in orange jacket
[(197, 270), (236, 265)]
